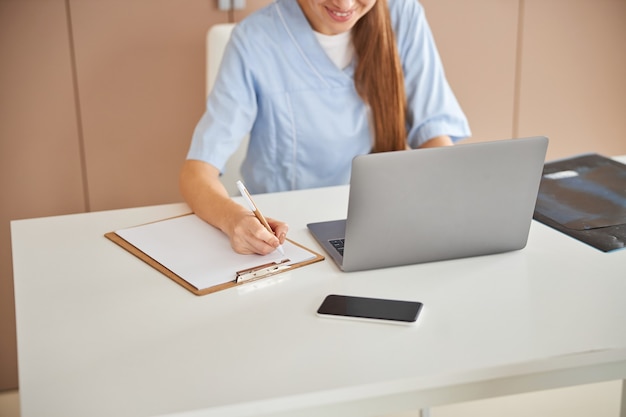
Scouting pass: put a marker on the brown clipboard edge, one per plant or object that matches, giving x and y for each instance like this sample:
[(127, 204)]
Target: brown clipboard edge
[(114, 237)]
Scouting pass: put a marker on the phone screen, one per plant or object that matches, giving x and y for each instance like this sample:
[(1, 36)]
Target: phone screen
[(370, 308)]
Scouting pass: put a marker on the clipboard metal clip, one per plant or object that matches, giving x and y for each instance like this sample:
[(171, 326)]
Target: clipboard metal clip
[(262, 271)]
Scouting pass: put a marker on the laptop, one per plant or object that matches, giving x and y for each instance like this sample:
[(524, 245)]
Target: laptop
[(435, 204)]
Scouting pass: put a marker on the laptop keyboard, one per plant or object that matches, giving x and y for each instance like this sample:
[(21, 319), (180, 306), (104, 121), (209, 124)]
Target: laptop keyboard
[(338, 244)]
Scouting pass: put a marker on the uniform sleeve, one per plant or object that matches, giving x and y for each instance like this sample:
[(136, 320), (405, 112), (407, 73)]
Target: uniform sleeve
[(433, 110), (231, 108)]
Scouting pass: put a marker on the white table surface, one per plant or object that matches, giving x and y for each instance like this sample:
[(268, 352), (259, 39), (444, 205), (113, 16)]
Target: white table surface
[(100, 333)]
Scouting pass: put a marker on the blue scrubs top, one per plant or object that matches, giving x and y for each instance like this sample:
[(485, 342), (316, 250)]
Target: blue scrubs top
[(305, 119)]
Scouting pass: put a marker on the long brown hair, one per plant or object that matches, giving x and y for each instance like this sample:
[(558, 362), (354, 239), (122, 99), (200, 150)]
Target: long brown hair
[(378, 77)]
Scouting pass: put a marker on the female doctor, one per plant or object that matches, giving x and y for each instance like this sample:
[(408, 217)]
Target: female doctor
[(315, 83)]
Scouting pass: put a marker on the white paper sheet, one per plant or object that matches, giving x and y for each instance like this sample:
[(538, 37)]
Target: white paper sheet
[(198, 252)]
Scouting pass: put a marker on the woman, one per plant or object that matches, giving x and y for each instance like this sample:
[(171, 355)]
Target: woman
[(315, 83)]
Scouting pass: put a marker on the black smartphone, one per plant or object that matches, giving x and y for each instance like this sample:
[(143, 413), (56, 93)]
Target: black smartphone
[(382, 310)]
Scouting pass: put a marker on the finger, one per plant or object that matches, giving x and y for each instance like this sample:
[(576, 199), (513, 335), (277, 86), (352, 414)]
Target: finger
[(280, 229), (259, 240), (263, 248), (253, 246)]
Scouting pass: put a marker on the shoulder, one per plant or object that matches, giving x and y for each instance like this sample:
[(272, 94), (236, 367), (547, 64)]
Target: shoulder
[(263, 30), (256, 24), (405, 10), (408, 19), (270, 20)]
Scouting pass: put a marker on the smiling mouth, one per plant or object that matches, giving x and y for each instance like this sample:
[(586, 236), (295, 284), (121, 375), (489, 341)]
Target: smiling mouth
[(340, 15)]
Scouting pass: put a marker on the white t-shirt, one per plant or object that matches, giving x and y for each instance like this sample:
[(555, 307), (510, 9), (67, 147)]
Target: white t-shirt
[(338, 47)]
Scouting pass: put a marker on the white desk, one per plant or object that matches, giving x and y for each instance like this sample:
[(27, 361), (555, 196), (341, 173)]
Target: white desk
[(100, 333)]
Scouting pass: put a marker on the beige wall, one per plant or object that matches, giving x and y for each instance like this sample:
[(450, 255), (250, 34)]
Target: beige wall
[(537, 67), (40, 169), (477, 41), (573, 75), (98, 98)]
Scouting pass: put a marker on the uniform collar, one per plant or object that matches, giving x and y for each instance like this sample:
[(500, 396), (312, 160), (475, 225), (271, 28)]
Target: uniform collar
[(311, 51)]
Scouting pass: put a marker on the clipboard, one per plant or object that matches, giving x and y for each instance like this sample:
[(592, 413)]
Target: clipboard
[(199, 257)]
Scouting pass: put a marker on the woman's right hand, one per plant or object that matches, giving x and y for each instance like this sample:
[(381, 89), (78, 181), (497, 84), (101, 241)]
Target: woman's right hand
[(205, 194), (247, 234)]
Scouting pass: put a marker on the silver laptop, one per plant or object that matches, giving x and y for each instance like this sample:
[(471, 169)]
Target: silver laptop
[(438, 203)]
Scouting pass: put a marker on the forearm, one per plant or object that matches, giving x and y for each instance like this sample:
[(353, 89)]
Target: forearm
[(203, 191), (437, 141), (207, 197)]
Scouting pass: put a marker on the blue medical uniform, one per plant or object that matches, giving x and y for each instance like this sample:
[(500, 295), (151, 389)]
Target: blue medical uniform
[(305, 119)]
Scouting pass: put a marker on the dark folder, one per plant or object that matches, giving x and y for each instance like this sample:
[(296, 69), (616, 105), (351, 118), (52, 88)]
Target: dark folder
[(585, 198)]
